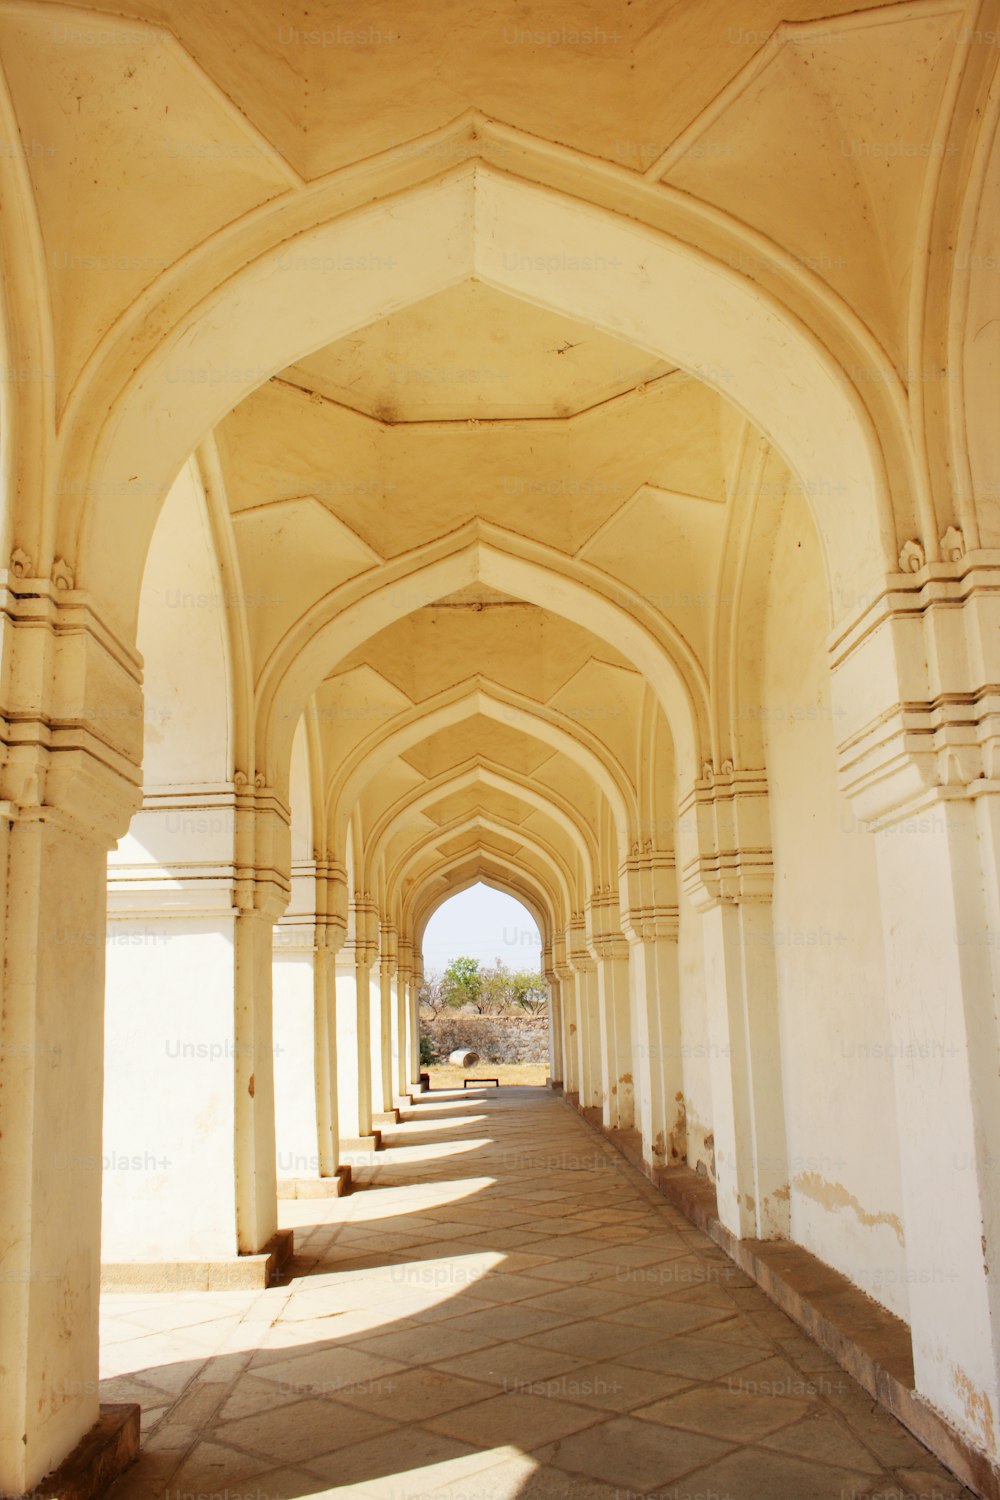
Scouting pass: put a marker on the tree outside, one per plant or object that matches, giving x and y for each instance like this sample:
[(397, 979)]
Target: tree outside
[(488, 990), (497, 1012)]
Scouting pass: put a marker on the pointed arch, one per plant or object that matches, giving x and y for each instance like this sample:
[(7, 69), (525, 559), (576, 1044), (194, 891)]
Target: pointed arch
[(458, 779), (667, 297), (479, 695), (478, 553)]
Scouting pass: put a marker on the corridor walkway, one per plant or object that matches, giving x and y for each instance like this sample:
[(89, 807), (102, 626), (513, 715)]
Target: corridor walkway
[(503, 1308)]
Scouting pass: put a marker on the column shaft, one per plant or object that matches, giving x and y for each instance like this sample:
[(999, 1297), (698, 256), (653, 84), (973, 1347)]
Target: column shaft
[(51, 1068)]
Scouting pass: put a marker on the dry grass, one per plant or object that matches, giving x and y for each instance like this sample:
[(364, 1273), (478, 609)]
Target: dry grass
[(447, 1076)]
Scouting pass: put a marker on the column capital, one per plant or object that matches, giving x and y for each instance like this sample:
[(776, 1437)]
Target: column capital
[(606, 937), (262, 846), (649, 884), (609, 945), (915, 686), (724, 834), (388, 948), (365, 943), (295, 934), (218, 848), (578, 955), (71, 708), (332, 903), (583, 962), (304, 927), (404, 957)]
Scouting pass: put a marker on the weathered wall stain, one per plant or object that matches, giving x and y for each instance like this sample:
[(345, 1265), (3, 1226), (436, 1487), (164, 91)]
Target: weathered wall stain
[(978, 1410), (678, 1140), (833, 1195)]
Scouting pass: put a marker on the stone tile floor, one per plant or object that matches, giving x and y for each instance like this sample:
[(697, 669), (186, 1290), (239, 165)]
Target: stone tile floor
[(503, 1308)]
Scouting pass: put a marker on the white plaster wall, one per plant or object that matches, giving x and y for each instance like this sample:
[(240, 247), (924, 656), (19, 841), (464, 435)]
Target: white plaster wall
[(182, 636), (296, 1143), (169, 1187), (837, 1067)]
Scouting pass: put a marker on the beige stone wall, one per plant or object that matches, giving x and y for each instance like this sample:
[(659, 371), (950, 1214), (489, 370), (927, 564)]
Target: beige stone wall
[(502, 1039)]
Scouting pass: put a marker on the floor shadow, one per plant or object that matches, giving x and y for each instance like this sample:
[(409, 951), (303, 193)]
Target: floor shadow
[(504, 1308)]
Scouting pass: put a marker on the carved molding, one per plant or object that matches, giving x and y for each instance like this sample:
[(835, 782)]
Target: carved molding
[(952, 545), (610, 945), (71, 712), (912, 557), (724, 837), (62, 575), (915, 684)]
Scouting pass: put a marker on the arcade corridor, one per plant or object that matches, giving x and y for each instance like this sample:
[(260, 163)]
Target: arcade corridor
[(503, 1307), (547, 448)]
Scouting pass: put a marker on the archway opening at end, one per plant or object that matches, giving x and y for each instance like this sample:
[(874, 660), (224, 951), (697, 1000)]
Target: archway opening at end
[(484, 1000)]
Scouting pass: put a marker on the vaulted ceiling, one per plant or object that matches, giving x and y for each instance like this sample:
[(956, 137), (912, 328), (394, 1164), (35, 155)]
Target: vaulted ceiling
[(157, 137)]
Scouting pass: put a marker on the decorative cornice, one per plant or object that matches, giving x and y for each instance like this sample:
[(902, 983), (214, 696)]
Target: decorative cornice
[(71, 709), (724, 833), (915, 684)]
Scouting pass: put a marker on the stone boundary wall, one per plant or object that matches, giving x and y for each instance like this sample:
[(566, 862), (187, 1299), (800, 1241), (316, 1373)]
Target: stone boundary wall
[(497, 1039)]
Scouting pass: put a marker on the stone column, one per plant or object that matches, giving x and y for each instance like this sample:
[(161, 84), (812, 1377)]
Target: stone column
[(614, 999), (650, 924), (555, 1020), (591, 1076), (914, 684), (256, 1169), (383, 1012), (566, 978), (416, 981), (587, 1035), (325, 1032), (354, 1022), (724, 828), (71, 706), (404, 1017), (614, 1030), (349, 1054), (306, 1123)]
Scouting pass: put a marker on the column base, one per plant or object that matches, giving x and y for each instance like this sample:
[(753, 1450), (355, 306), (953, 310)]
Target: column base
[(317, 1187), (241, 1273), (371, 1142), (98, 1458), (866, 1340), (386, 1117)]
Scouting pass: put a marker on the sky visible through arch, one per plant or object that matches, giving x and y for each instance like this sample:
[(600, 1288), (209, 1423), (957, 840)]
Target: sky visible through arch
[(485, 924)]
